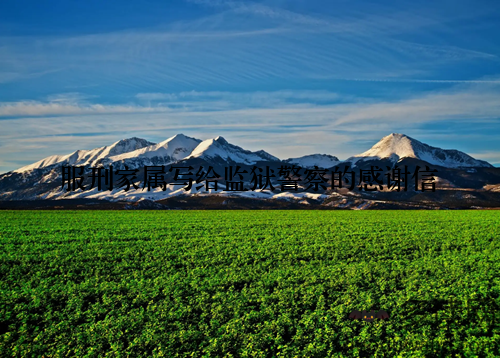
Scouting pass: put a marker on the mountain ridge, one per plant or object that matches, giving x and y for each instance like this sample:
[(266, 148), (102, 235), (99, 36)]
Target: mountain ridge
[(89, 157), (393, 147), (221, 148), (462, 176), (397, 146)]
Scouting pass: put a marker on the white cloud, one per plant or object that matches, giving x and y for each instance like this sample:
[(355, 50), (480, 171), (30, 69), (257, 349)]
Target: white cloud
[(241, 99), (473, 102), (247, 44), (463, 102), (60, 107), (286, 129), (16, 74), (489, 156)]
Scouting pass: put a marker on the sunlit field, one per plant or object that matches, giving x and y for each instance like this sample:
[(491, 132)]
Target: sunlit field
[(249, 283)]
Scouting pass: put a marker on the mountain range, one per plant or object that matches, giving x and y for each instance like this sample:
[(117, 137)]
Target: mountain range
[(461, 180)]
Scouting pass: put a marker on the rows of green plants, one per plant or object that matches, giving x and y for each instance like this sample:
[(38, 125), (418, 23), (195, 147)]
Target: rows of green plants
[(249, 283)]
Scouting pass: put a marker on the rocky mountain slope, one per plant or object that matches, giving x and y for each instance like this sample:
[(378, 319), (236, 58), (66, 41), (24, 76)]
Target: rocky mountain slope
[(397, 146), (460, 179)]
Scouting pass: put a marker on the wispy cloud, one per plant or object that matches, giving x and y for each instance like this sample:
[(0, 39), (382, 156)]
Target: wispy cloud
[(492, 157), (264, 10), (248, 43), (56, 108), (242, 99), (472, 102), (72, 104), (6, 77), (465, 101), (403, 80), (293, 123)]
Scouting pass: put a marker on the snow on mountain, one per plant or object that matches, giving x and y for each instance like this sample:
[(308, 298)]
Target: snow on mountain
[(220, 148), (172, 149), (396, 146), (309, 161), (89, 157), (136, 153)]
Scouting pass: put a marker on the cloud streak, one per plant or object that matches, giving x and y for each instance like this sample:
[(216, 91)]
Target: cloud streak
[(478, 100), (40, 109), (246, 43), (464, 103), (287, 123)]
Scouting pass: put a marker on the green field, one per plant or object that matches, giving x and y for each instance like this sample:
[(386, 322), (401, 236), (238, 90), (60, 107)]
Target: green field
[(249, 283)]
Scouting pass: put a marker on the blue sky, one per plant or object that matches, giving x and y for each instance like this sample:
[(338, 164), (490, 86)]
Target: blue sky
[(292, 77)]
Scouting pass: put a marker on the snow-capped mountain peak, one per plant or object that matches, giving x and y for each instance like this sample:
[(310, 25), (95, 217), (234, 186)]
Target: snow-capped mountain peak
[(135, 153), (125, 146), (219, 147), (312, 160), (174, 148), (393, 145), (221, 140), (396, 146), (89, 157)]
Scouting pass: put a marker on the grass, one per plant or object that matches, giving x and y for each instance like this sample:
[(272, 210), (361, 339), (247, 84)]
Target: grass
[(249, 283)]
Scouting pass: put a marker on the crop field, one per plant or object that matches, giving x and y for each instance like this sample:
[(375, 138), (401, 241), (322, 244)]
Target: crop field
[(249, 283)]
